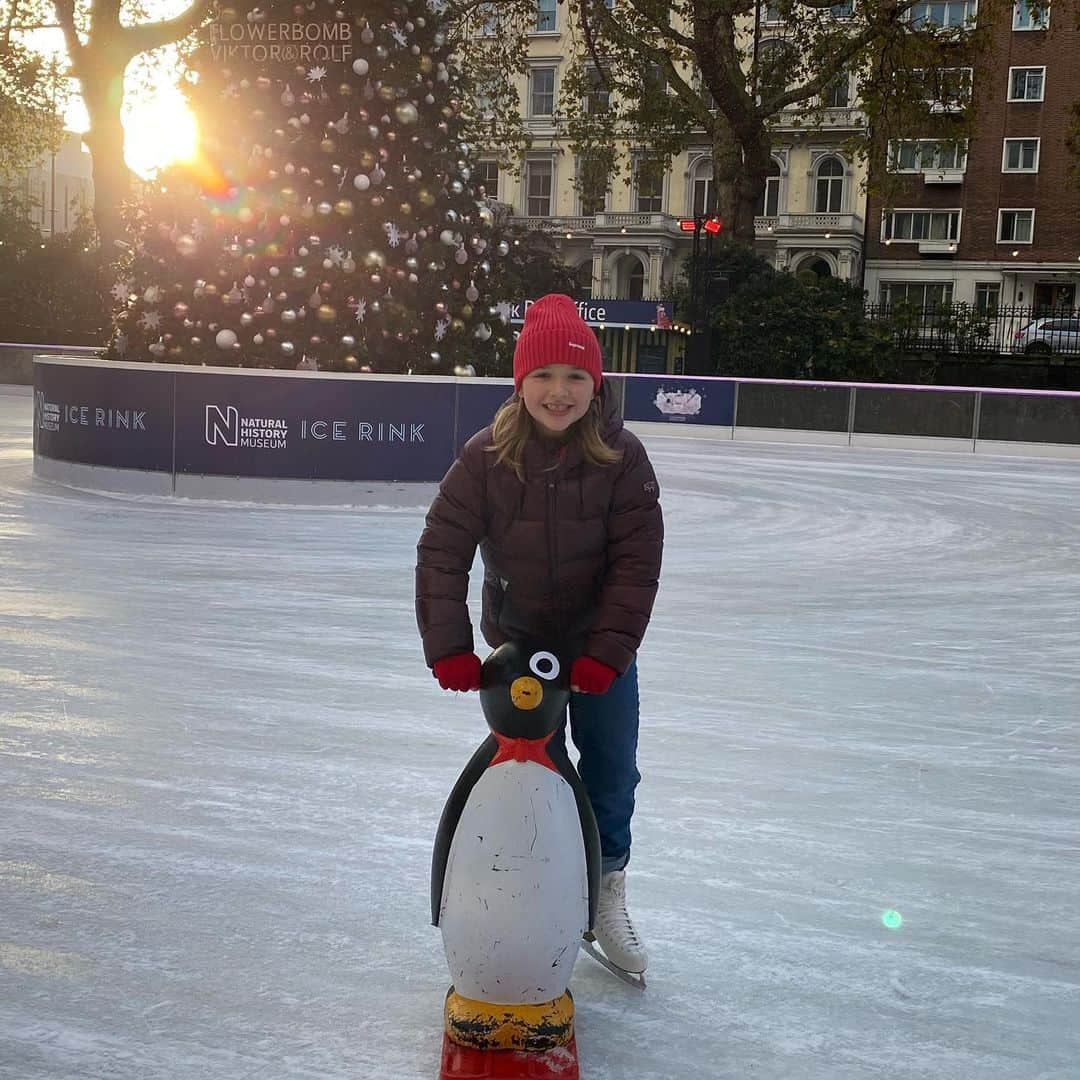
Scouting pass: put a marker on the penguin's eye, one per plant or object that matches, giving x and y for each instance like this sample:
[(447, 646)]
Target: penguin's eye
[(545, 665)]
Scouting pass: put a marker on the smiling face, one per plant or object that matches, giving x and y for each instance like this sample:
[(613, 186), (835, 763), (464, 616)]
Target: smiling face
[(556, 397)]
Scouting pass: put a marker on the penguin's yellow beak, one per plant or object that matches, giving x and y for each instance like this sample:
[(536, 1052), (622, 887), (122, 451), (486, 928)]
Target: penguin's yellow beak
[(526, 693)]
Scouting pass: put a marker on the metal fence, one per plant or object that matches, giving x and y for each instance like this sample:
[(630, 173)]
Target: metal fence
[(964, 330)]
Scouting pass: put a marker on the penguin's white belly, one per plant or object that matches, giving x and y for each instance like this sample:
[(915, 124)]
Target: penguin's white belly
[(515, 898)]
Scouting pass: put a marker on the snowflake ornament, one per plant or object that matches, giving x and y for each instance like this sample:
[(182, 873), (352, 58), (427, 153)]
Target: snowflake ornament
[(400, 38), (361, 310), (120, 291), (393, 235), (316, 74), (503, 310), (150, 320), (336, 255), (440, 329)]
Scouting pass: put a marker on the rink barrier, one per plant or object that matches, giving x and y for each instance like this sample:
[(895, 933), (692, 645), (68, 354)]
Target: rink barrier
[(311, 436)]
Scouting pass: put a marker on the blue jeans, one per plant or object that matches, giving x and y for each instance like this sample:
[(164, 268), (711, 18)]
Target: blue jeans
[(604, 728)]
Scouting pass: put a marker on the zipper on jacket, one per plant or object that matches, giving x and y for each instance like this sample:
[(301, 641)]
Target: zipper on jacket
[(553, 552)]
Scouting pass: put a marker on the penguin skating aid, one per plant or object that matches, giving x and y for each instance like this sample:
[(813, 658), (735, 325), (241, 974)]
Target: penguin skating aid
[(515, 880)]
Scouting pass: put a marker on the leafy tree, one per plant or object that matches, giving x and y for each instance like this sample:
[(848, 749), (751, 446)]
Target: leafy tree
[(780, 325), (48, 287), (673, 75), (100, 46), (31, 94)]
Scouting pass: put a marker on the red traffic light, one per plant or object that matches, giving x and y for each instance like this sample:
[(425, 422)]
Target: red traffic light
[(713, 225)]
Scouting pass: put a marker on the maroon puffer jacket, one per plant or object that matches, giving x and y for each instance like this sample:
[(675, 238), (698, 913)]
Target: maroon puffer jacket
[(571, 557)]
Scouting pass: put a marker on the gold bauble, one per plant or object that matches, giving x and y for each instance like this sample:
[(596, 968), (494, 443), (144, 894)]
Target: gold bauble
[(326, 313), (289, 195), (374, 260), (328, 146), (457, 326), (344, 207), (425, 198), (406, 209), (350, 363)]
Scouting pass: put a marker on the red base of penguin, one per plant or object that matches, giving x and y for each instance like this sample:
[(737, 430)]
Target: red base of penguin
[(468, 1063)]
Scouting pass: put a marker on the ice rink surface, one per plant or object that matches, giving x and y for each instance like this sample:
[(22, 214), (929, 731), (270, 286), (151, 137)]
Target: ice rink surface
[(222, 762)]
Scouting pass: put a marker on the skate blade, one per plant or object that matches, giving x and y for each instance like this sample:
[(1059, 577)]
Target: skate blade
[(468, 1063), (631, 978)]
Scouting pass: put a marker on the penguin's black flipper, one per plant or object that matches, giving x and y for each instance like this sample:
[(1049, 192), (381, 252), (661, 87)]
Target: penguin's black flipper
[(451, 814), (589, 832)]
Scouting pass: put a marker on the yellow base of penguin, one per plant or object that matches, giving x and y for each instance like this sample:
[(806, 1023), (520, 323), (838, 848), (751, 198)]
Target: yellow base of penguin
[(488, 1026)]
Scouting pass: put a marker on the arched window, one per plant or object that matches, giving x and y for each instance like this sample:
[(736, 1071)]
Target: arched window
[(701, 183), (829, 197), (769, 203), (635, 283)]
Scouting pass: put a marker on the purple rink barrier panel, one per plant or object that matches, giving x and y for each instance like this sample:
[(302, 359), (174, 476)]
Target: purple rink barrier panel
[(216, 426), (313, 427), (96, 414)]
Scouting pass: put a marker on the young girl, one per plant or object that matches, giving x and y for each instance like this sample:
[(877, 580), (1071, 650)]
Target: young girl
[(563, 503)]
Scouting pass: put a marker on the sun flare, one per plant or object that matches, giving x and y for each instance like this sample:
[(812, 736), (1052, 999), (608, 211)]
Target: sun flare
[(159, 130)]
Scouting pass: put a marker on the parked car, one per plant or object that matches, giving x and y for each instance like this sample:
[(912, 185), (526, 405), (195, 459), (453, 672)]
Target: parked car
[(1050, 334)]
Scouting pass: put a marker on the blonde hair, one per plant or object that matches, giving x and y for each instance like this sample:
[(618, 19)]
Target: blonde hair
[(513, 427)]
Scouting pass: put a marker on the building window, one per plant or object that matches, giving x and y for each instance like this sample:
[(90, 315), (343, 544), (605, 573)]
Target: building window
[(591, 181), (489, 20), (1025, 18), (597, 96), (922, 155), (843, 10), (487, 175), (545, 16), (649, 185), (920, 294), (538, 186), (1015, 226), (1027, 83), (1020, 155), (702, 190), (829, 195), (987, 296), (912, 225), (542, 92), (944, 90), (635, 283), (837, 95), (945, 13), (772, 13), (769, 203)]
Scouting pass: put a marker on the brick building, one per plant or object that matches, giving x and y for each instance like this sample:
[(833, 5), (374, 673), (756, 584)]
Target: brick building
[(994, 223)]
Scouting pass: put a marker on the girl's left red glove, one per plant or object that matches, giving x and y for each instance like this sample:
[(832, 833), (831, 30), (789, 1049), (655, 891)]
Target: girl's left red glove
[(589, 676)]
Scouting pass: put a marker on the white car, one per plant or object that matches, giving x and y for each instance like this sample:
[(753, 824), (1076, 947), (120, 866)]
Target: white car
[(1051, 334)]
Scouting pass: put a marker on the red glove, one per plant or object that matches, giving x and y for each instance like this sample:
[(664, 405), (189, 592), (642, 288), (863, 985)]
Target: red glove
[(458, 672), (589, 676)]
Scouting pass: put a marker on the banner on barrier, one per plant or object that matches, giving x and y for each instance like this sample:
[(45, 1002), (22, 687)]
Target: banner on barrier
[(94, 415), (680, 401), (317, 429)]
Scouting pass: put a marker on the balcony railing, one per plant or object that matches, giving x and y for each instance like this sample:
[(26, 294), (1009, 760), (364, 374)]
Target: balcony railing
[(809, 224), (602, 223)]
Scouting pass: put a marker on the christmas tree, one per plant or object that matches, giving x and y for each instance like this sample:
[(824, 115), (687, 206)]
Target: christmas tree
[(330, 219)]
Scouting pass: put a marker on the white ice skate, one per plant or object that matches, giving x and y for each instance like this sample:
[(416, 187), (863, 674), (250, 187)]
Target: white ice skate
[(623, 952)]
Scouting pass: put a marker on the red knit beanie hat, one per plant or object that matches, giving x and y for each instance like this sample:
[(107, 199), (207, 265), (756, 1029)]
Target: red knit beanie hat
[(554, 333)]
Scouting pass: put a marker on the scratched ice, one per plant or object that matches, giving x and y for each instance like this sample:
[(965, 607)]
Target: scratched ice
[(857, 850)]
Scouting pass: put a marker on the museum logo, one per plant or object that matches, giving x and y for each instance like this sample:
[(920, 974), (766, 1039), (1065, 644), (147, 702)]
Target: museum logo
[(226, 427)]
